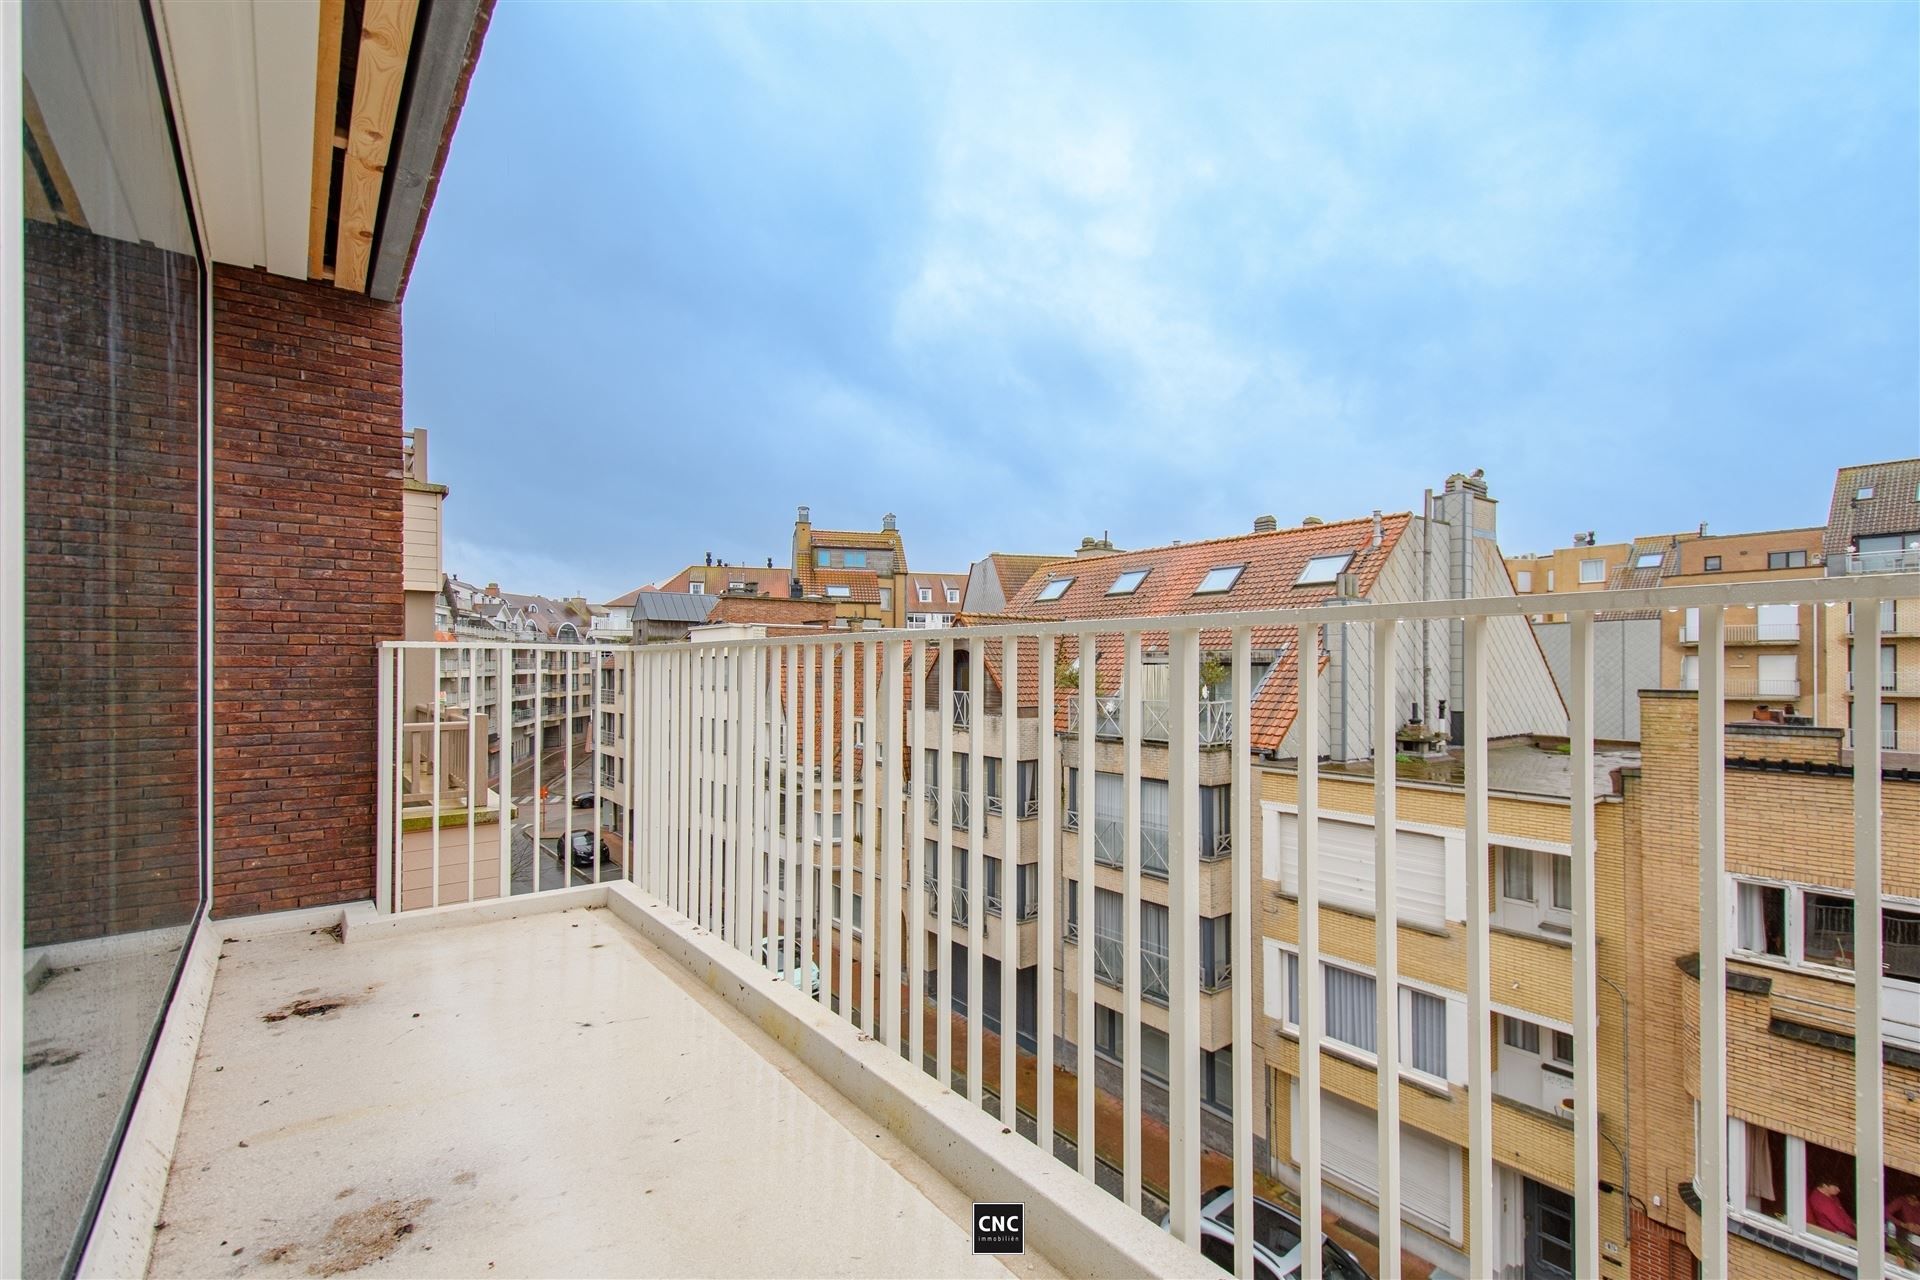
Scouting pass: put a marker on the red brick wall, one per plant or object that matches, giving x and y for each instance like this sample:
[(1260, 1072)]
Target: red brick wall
[(307, 512), (1659, 1252), (112, 388)]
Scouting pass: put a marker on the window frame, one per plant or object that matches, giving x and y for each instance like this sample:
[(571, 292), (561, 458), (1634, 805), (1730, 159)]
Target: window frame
[(1599, 570), (1323, 576), (1053, 590), (1453, 1050), (1132, 578), (1220, 589)]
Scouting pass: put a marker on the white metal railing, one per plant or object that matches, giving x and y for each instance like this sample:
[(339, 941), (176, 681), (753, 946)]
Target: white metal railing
[(962, 708), (1742, 685), (702, 816), (1903, 684), (1153, 975), (1904, 561)]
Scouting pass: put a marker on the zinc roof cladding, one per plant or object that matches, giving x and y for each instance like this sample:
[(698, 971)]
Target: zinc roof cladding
[(671, 606), (1893, 508)]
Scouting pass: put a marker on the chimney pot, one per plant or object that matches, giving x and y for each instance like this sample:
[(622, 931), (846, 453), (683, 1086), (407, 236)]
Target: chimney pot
[(888, 523), (1306, 520), (709, 559), (1265, 524), (805, 516)]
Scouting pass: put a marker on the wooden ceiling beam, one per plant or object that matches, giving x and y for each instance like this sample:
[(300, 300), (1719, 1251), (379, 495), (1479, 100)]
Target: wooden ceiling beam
[(386, 38), (326, 99)]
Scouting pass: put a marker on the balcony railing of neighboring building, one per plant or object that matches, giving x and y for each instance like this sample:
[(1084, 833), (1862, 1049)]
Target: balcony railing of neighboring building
[(1903, 620), (1744, 686), (704, 866), (1217, 976), (1906, 560), (1897, 684), (962, 708), (1747, 633), (1156, 724), (1153, 975)]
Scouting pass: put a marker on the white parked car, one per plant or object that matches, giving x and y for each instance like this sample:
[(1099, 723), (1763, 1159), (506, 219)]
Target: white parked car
[(775, 954), (1276, 1240)]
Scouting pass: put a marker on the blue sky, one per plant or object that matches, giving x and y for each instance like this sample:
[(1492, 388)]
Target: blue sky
[(1025, 274)]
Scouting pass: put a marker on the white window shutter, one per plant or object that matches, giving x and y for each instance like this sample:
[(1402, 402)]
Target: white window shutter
[(1456, 1039), (1276, 983)]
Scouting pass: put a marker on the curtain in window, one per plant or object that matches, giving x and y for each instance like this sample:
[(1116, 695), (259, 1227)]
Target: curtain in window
[(1516, 874), (1107, 911), (1427, 1034), (1759, 1164), (1350, 1007), (1751, 928), (992, 768), (1109, 797), (1026, 778)]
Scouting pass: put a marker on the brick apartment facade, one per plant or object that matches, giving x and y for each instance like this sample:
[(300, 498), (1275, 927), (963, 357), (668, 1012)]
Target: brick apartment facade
[(308, 480)]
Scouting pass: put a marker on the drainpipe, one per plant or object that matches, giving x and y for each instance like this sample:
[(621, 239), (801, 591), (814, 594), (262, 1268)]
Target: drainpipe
[(1626, 1092)]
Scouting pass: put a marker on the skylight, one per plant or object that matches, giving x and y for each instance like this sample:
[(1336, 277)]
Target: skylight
[(1649, 559), (1127, 583), (840, 592), (1055, 588), (1324, 570), (1863, 493), (1219, 578)]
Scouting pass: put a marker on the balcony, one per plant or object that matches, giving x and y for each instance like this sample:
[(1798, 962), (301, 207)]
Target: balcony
[(1742, 686), (1893, 684), (1901, 561), (563, 998), (1747, 633), (962, 708), (1156, 719)]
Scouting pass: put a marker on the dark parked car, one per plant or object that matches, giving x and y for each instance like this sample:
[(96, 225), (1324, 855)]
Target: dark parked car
[(583, 850), (1276, 1240), (584, 800)]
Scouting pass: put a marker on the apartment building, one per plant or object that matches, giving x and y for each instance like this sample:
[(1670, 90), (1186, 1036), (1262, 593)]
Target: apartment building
[(1587, 565), (864, 573), (1789, 1130), (1873, 526), (1530, 880), (1779, 658), (934, 599), (987, 832)]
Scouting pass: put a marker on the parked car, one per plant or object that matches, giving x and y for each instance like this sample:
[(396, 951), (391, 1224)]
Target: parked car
[(583, 850), (1276, 1240), (774, 954), (584, 800)]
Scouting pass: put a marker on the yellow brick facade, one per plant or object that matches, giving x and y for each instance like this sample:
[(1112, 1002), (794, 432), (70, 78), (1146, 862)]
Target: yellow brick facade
[(1794, 827)]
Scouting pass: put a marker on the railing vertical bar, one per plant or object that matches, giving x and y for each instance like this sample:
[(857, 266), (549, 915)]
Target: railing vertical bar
[(1183, 911), (1048, 934), (1244, 858), (1386, 940), (1712, 1136), (807, 759), (433, 658), (566, 792), (720, 744), (638, 757), (1310, 1015), (1480, 1205), (595, 765), (873, 932), (503, 707), (386, 832), (1586, 1020), (682, 843), (706, 812), (473, 749), (1869, 1066), (941, 775), (913, 693), (1084, 1058), (539, 746), (843, 760), (1009, 866), (896, 914), (785, 888), (696, 803), (829, 796), (976, 828), (752, 785), (1132, 676)]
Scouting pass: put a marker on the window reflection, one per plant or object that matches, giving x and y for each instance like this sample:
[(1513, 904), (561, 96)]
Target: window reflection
[(112, 531)]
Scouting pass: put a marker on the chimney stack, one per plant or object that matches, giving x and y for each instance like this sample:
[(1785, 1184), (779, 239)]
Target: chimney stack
[(888, 523), (1265, 524), (1307, 520), (1378, 534), (805, 516)]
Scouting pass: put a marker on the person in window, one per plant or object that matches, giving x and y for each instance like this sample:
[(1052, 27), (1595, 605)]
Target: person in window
[(1825, 1211)]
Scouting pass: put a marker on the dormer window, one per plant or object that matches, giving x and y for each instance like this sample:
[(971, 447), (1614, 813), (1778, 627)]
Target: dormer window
[(1128, 583), (839, 592), (926, 595), (953, 596), (1055, 588), (1219, 579), (1324, 571)]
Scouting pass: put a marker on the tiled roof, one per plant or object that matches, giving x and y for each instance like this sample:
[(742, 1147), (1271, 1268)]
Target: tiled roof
[(1630, 577), (715, 577), (1273, 563), (882, 540), (1015, 570), (863, 585), (1893, 508), (771, 609), (938, 583)]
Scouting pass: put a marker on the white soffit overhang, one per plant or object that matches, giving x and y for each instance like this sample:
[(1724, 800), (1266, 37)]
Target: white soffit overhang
[(244, 76)]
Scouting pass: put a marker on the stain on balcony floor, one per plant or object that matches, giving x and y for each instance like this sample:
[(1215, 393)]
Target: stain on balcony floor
[(538, 1096)]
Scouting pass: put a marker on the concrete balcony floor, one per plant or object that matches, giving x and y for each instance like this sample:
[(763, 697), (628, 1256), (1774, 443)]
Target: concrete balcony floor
[(542, 1095)]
